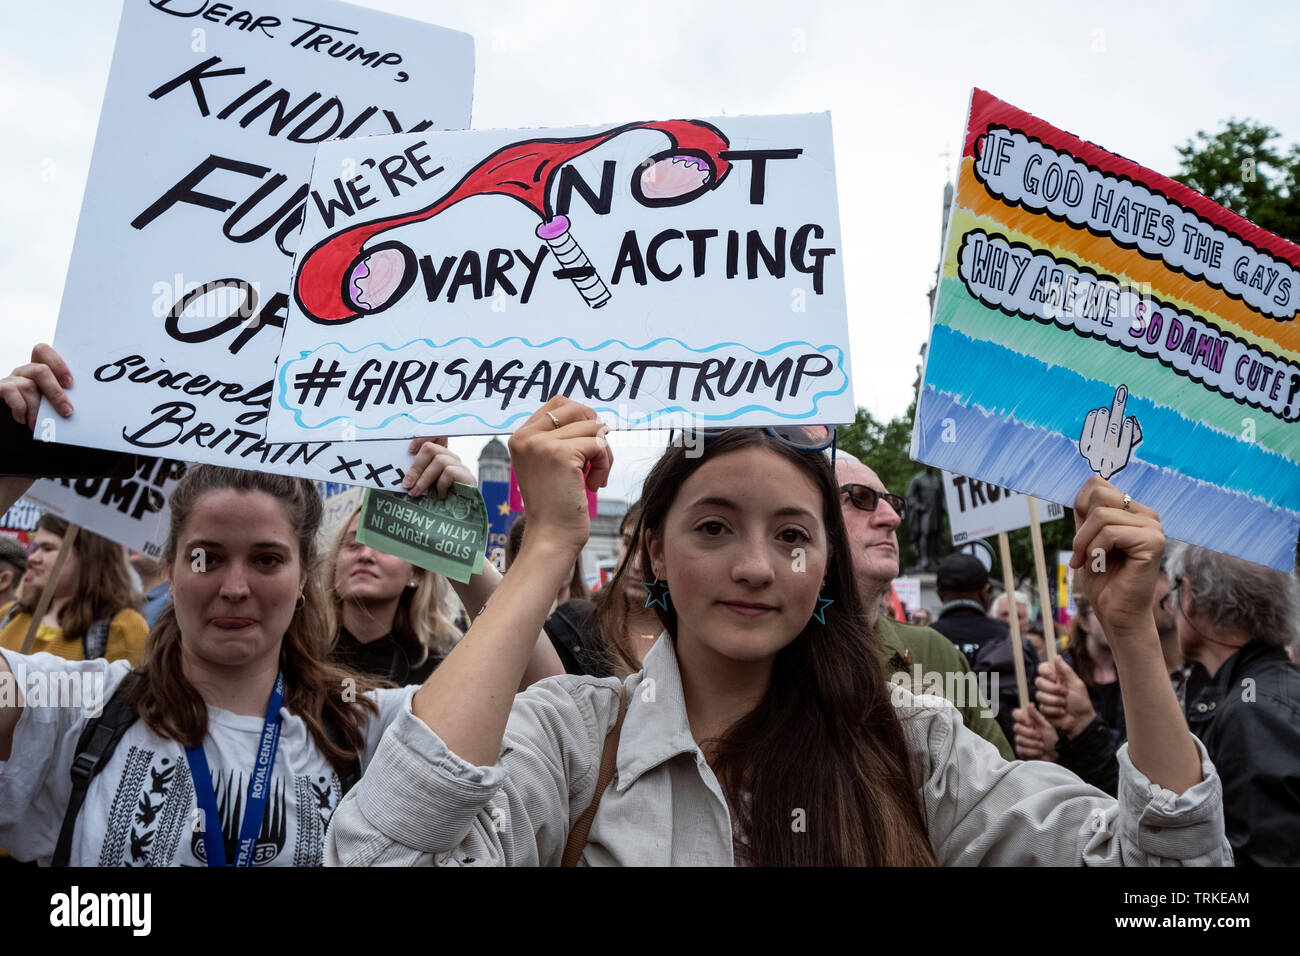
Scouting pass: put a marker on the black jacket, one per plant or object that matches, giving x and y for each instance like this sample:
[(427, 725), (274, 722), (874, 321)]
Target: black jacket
[(1248, 717), (986, 642), (387, 658)]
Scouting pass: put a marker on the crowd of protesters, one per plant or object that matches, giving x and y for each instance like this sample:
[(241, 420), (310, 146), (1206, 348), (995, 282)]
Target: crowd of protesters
[(733, 695)]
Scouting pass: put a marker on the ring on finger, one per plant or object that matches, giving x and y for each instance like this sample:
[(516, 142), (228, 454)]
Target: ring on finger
[(554, 421), (1128, 500)]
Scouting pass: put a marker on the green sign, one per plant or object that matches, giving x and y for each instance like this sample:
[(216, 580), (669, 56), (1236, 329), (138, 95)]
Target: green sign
[(446, 537)]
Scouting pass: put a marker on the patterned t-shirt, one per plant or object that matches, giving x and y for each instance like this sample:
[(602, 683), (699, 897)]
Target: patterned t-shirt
[(141, 808)]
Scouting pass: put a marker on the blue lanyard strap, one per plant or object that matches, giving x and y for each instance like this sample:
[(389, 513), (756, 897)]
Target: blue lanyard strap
[(258, 787)]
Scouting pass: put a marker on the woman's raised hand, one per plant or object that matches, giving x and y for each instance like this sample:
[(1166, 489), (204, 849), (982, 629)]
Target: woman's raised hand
[(1117, 552), (558, 455), (46, 375), (435, 465)]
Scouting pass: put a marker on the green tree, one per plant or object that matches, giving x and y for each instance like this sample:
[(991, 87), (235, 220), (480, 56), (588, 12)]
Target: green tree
[(1242, 169)]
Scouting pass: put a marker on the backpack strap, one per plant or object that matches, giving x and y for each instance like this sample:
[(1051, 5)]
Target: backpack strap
[(577, 841), (95, 746), (346, 780), (95, 642)]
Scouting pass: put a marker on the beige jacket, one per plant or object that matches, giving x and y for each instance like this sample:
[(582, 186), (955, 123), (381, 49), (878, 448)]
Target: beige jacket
[(420, 804)]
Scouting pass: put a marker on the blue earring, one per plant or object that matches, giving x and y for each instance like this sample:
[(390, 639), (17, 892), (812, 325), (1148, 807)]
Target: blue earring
[(656, 593), (822, 604)]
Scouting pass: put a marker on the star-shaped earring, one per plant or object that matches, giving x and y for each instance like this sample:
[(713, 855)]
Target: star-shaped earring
[(822, 604), (656, 593)]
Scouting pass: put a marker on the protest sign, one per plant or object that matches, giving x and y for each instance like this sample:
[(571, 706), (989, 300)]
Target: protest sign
[(179, 277), (20, 520), (660, 272), (977, 510), (446, 536), (338, 502), (1095, 317), (496, 496), (1065, 606), (908, 591), (131, 510)]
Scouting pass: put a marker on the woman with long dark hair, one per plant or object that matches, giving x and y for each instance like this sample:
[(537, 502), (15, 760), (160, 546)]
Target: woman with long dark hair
[(761, 729)]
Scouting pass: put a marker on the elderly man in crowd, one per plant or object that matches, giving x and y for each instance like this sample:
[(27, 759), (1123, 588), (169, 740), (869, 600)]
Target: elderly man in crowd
[(872, 517), (1235, 619)]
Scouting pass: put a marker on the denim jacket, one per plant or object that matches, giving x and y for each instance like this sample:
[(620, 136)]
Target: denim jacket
[(419, 803)]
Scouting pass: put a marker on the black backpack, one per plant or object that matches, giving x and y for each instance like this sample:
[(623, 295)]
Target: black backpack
[(99, 739)]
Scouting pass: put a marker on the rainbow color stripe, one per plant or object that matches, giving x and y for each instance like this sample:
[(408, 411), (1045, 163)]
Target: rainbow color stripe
[(1005, 397)]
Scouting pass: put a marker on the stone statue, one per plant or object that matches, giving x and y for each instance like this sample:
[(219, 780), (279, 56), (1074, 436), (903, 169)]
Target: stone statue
[(925, 517)]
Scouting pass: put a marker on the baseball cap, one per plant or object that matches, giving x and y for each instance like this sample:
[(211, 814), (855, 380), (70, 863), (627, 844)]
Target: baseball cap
[(12, 550), (961, 572)]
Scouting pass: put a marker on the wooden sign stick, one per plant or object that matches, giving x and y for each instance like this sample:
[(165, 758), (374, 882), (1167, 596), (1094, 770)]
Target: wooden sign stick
[(47, 593), (1040, 566), (1013, 619)]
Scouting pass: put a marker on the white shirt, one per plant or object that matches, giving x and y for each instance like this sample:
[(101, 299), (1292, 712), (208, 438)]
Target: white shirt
[(140, 809), (419, 803)]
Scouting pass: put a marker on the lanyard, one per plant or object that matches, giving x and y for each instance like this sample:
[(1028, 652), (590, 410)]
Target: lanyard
[(258, 787)]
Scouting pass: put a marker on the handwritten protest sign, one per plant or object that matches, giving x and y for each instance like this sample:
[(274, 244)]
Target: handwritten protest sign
[(131, 509), (652, 270), (446, 536), (977, 510), (1095, 317), (179, 279)]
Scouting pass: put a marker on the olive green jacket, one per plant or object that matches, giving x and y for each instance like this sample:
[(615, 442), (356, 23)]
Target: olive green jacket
[(933, 665)]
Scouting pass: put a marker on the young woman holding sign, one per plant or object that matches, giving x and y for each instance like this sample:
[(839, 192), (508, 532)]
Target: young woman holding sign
[(761, 729), (237, 736)]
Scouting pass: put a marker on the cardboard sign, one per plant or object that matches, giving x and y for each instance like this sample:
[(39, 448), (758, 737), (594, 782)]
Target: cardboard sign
[(131, 510), (1095, 317), (179, 280), (446, 536), (652, 270), (977, 510)]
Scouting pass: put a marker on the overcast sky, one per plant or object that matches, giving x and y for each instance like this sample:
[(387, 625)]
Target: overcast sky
[(1139, 79)]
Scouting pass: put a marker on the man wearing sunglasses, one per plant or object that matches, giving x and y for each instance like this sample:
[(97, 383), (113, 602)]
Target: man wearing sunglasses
[(872, 516)]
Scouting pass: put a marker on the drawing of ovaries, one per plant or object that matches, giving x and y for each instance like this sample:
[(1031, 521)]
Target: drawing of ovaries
[(342, 279)]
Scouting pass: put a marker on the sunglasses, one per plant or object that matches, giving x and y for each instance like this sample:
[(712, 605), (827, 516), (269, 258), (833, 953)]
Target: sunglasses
[(1164, 601), (798, 437), (866, 499)]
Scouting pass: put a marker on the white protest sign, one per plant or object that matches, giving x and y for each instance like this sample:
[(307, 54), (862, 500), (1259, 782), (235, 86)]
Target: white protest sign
[(20, 520), (977, 509), (657, 271), (908, 591), (131, 510), (179, 279), (339, 502)]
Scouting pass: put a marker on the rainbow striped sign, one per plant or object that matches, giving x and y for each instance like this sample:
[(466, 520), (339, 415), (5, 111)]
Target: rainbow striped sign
[(1095, 317)]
